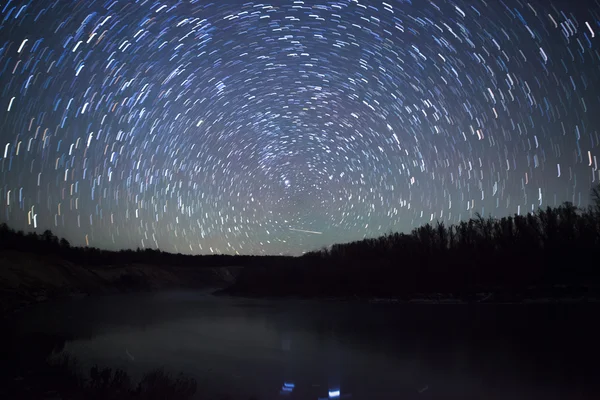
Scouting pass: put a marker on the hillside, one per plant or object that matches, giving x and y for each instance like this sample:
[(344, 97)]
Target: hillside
[(26, 278)]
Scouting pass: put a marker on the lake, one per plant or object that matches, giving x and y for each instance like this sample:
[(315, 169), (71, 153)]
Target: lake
[(304, 349)]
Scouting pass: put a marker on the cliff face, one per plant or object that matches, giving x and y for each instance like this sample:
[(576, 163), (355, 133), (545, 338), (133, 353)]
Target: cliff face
[(28, 278)]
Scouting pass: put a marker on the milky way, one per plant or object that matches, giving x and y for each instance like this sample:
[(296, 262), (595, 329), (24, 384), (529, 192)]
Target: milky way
[(281, 127)]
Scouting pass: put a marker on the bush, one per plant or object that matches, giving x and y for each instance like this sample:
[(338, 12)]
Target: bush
[(65, 380)]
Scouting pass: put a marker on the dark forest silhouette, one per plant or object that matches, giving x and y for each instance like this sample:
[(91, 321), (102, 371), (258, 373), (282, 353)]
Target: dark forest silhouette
[(549, 247), (516, 256), (49, 244)]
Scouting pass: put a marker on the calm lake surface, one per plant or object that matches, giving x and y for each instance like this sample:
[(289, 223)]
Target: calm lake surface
[(294, 349)]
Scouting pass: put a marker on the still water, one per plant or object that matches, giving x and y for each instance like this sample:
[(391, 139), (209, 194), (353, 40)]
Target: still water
[(294, 349)]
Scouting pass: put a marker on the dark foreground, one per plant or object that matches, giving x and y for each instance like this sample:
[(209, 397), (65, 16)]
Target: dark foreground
[(231, 348), (61, 377)]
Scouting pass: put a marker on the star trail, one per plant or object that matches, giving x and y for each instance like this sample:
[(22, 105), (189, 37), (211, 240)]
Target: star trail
[(281, 127)]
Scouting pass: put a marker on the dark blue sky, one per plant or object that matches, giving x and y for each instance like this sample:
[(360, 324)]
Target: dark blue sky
[(281, 127)]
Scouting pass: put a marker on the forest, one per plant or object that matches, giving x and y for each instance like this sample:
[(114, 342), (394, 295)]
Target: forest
[(49, 244), (520, 255), (552, 247)]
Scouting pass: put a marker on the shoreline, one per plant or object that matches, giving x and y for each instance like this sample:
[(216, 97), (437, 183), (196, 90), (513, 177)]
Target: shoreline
[(422, 298), (28, 279)]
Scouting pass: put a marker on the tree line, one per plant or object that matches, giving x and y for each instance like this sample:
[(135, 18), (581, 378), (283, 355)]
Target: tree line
[(555, 246), (548, 247), (48, 244)]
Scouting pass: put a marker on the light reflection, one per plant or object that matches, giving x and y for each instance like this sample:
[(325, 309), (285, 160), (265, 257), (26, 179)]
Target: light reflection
[(287, 388)]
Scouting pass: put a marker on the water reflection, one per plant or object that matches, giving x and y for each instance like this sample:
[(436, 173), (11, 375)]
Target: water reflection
[(332, 364), (310, 350)]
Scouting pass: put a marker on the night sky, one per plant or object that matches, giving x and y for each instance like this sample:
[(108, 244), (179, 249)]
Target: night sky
[(285, 126)]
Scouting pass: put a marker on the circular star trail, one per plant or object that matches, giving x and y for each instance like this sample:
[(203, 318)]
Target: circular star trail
[(281, 127)]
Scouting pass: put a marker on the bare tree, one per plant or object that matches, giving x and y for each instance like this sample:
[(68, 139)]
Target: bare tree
[(596, 198)]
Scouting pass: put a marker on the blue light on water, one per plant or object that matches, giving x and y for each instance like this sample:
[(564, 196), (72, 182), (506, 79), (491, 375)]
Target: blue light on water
[(288, 387)]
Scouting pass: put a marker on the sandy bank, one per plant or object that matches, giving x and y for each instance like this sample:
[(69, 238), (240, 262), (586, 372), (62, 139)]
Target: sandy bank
[(29, 278)]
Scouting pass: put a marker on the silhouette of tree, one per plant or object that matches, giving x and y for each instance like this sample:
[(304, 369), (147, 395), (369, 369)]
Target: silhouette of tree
[(596, 198), (547, 247)]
